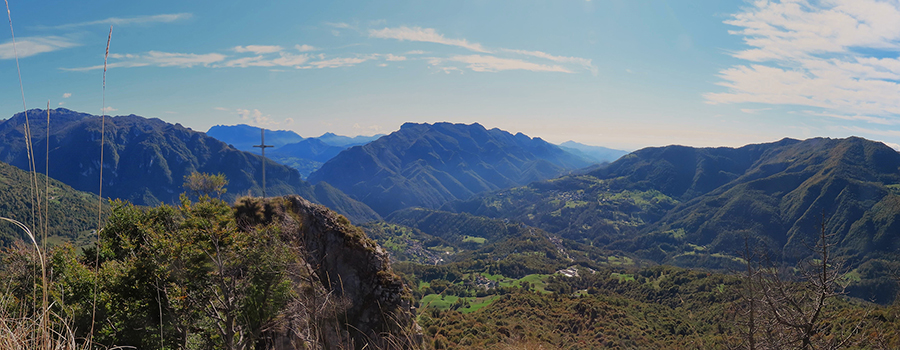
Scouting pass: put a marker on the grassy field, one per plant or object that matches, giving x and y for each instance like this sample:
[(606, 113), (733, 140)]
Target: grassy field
[(475, 239)]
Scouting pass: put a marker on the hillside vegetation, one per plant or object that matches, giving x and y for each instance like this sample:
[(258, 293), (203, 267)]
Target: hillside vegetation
[(695, 206), (206, 275), (72, 214)]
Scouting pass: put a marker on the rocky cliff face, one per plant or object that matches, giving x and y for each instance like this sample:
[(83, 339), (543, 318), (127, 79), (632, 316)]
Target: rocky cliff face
[(352, 298)]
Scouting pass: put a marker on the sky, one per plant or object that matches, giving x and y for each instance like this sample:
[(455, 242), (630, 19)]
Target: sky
[(617, 73)]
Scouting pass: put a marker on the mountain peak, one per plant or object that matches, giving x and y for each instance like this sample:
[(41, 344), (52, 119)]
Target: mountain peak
[(427, 165)]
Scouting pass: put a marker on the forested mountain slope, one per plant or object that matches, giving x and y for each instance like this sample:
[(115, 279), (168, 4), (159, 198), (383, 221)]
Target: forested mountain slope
[(688, 205), (72, 215), (429, 164)]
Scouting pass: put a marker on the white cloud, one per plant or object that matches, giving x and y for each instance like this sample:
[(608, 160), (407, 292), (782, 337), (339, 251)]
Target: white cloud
[(895, 146), (30, 46), (583, 62), (60, 103), (220, 108), (255, 116), (283, 60), (183, 60), (67, 94), (391, 57), (480, 63), (857, 117), (118, 21), (424, 35), (340, 62), (158, 59), (258, 49), (416, 52), (305, 48), (288, 121), (108, 109), (879, 132), (340, 25), (838, 55), (448, 70), (371, 128)]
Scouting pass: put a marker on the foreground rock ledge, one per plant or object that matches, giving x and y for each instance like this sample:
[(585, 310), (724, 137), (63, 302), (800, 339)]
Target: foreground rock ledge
[(355, 299)]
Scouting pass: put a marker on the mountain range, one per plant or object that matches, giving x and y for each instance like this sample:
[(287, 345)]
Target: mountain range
[(304, 154), (145, 160), (427, 165), (244, 137), (595, 154), (695, 206)]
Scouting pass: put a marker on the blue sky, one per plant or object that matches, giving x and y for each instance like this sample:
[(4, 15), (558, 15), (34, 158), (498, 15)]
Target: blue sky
[(620, 73)]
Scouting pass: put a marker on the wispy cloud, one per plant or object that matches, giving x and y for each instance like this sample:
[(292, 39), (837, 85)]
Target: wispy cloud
[(67, 95), (340, 25), (856, 117), (277, 57), (158, 59), (424, 35), (30, 46), (119, 21), (256, 117), (879, 132), (221, 109), (583, 62), (838, 55), (483, 63), (258, 49), (282, 60), (340, 62)]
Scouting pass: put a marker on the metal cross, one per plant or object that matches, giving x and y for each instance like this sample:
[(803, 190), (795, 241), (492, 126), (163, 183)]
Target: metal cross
[(263, 146)]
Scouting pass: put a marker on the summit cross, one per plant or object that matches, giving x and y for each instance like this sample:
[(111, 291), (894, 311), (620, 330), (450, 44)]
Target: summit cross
[(262, 145)]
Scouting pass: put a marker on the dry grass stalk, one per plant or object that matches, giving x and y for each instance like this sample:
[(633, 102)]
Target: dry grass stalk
[(100, 191)]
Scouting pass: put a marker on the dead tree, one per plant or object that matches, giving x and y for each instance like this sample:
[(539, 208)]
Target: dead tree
[(786, 308)]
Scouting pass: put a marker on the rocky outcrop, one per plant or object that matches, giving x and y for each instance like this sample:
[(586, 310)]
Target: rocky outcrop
[(369, 304)]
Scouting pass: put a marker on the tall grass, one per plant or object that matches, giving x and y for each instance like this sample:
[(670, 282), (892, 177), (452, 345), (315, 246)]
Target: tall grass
[(34, 330)]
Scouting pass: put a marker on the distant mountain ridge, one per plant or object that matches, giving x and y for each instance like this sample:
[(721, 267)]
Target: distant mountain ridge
[(346, 141), (146, 160), (304, 154), (594, 153), (429, 164), (244, 137)]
